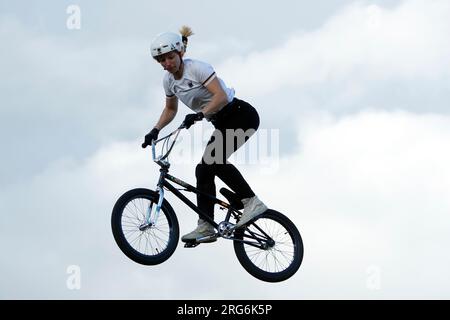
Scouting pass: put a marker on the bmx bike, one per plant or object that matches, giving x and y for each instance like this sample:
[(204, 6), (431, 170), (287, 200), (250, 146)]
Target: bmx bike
[(146, 229)]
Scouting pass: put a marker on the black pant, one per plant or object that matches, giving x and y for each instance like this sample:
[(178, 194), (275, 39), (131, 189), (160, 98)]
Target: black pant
[(235, 124)]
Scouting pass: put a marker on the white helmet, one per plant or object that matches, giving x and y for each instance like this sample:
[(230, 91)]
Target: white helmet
[(166, 42)]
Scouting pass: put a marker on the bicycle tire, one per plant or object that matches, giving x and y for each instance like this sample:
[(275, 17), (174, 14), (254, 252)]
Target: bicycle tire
[(166, 213), (269, 218)]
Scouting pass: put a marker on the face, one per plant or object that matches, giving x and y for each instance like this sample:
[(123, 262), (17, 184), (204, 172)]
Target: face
[(170, 61)]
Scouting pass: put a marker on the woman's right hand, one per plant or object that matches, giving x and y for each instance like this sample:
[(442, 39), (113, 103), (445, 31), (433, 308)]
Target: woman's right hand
[(149, 137)]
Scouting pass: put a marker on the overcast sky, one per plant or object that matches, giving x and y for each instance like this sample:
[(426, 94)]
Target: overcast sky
[(356, 92)]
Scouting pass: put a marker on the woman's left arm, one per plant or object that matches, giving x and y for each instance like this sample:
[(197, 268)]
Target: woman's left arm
[(219, 98)]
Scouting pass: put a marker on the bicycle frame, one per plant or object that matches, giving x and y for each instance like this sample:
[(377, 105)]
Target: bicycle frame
[(163, 183)]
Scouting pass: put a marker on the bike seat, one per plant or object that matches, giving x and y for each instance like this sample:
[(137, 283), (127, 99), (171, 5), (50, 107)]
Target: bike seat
[(232, 198)]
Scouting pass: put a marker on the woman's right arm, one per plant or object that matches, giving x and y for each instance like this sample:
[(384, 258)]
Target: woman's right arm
[(168, 113)]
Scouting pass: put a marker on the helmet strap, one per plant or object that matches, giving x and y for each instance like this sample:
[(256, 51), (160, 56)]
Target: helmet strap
[(182, 62)]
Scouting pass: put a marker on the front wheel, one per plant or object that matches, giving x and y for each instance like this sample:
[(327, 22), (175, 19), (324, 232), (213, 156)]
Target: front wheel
[(271, 248), (150, 245)]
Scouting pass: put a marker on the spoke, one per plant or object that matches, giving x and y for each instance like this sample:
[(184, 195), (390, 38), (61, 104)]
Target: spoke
[(135, 239), (134, 236), (266, 261), (288, 255), (288, 242), (146, 243), (130, 221), (143, 208), (156, 240), (140, 239), (131, 226), (254, 253), (154, 243), (253, 249), (130, 208), (277, 258), (161, 225), (165, 233), (137, 209), (276, 232), (132, 231), (254, 257), (135, 217)]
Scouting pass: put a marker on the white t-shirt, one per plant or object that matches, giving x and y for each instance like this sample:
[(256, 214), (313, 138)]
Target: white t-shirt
[(191, 88)]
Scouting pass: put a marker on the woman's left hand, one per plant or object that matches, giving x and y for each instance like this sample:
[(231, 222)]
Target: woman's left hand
[(191, 118)]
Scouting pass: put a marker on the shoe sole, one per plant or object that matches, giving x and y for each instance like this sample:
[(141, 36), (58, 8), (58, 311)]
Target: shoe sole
[(205, 239), (241, 224)]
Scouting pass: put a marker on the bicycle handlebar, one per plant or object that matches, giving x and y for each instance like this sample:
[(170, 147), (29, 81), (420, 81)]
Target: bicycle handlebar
[(154, 142)]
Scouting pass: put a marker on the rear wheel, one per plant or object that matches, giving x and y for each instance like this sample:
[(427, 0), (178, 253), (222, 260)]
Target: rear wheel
[(271, 248), (145, 245)]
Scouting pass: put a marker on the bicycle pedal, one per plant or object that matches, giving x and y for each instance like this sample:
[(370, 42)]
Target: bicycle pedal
[(191, 244)]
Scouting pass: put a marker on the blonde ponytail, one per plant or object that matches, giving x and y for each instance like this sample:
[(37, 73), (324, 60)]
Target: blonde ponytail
[(185, 33)]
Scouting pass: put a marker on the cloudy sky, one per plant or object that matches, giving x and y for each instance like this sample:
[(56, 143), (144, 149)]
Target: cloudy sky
[(355, 92)]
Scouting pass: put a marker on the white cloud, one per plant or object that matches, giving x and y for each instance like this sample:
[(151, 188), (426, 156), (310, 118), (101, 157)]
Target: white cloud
[(360, 43), (370, 189), (367, 190)]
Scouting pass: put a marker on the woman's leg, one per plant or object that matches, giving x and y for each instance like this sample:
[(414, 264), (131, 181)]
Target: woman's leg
[(205, 182), (231, 176), (229, 136)]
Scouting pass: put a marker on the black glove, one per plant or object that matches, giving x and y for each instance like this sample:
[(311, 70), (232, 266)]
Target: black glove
[(152, 135), (191, 118)]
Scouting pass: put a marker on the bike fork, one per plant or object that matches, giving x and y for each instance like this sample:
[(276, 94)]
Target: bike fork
[(150, 218)]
